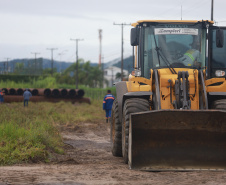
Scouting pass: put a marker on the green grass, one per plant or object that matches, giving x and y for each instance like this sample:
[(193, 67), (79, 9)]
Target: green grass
[(48, 82), (32, 134)]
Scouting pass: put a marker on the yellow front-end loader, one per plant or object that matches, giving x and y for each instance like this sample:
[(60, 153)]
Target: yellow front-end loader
[(170, 114)]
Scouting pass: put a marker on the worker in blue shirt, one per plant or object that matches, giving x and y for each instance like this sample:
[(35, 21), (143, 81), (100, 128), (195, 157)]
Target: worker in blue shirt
[(107, 104), (27, 94)]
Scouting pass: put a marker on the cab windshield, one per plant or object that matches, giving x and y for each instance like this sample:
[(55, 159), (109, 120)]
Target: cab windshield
[(176, 46)]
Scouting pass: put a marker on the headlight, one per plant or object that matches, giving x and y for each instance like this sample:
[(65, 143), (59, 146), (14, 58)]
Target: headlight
[(219, 73)]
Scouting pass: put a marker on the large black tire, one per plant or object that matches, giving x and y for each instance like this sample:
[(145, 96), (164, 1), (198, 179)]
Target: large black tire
[(116, 131), (132, 105), (219, 104)]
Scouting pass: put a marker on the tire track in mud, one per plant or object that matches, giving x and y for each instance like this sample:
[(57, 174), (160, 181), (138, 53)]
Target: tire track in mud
[(88, 160)]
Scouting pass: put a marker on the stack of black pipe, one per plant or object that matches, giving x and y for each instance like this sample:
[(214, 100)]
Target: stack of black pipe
[(54, 93)]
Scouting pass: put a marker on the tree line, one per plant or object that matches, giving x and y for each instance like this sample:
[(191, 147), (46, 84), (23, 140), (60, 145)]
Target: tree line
[(91, 76), (88, 74)]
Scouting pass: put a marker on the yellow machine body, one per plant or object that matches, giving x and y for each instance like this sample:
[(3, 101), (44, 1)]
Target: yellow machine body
[(167, 137), (171, 139)]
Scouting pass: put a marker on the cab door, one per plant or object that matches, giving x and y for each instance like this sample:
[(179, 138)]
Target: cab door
[(217, 52)]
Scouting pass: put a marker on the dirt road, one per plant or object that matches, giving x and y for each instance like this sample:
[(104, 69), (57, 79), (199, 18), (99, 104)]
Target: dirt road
[(89, 161)]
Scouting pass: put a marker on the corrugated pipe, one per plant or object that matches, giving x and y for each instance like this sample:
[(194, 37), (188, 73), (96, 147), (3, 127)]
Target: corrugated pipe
[(72, 93), (34, 92), (19, 91), (63, 92), (12, 91), (55, 93), (47, 92), (80, 93)]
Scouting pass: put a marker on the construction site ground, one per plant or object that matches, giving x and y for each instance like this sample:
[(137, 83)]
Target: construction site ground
[(88, 160)]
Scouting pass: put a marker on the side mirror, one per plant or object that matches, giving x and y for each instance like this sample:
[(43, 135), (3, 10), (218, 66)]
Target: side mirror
[(220, 38), (134, 37)]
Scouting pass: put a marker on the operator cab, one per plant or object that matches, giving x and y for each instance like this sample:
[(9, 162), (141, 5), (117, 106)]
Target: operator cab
[(170, 44)]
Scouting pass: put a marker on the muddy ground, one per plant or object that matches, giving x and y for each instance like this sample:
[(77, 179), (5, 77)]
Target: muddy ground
[(88, 160)]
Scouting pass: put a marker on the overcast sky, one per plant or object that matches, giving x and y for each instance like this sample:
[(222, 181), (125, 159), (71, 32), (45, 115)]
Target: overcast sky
[(29, 26)]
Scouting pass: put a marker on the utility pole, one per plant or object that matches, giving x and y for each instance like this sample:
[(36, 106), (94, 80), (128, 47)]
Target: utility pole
[(212, 10), (122, 25), (35, 60), (14, 66), (52, 49), (7, 59), (103, 70), (112, 76), (76, 40), (181, 12), (60, 54), (3, 67), (100, 38)]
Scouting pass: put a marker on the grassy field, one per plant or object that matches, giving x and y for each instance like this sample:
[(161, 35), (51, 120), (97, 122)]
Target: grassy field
[(32, 134)]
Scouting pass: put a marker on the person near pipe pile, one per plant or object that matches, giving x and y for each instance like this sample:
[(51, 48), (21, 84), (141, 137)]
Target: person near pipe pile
[(107, 104), (27, 94), (1, 96)]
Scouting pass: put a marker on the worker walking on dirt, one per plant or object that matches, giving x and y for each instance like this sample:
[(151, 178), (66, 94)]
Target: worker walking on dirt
[(27, 94), (107, 104)]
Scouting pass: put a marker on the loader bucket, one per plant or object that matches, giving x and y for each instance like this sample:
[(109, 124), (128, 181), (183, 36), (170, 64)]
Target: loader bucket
[(178, 140)]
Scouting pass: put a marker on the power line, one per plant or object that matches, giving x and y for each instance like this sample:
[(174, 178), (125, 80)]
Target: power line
[(61, 53), (194, 6), (71, 57), (166, 11), (122, 25), (185, 10)]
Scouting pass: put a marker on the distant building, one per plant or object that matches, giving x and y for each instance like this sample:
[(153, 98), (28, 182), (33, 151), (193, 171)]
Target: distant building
[(110, 75)]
